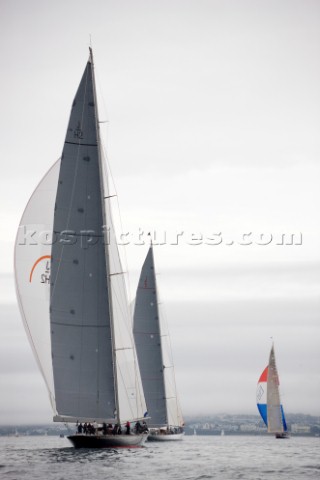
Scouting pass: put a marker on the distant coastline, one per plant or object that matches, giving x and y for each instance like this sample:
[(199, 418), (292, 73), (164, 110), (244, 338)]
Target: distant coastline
[(224, 424), (298, 424)]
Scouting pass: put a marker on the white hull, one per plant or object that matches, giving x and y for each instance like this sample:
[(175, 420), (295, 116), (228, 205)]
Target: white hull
[(170, 437)]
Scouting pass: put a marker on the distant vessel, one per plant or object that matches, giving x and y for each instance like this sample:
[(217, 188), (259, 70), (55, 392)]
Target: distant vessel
[(268, 399), (71, 288), (155, 359)]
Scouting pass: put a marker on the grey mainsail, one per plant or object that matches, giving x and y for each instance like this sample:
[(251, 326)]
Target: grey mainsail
[(154, 351), (79, 308), (147, 336)]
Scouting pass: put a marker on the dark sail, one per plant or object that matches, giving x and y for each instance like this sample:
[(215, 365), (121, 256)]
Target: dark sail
[(79, 305), (147, 335)]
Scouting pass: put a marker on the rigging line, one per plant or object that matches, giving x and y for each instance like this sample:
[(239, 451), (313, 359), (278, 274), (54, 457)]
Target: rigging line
[(123, 381), (131, 350), (125, 319), (137, 387), (124, 254), (122, 279), (104, 187), (117, 263), (138, 384), (124, 306), (126, 285), (170, 355), (124, 315), (163, 382), (102, 102)]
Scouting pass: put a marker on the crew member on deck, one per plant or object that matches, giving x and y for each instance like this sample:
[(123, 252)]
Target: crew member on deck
[(128, 428)]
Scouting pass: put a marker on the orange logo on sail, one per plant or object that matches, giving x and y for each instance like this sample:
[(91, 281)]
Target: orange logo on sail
[(43, 280)]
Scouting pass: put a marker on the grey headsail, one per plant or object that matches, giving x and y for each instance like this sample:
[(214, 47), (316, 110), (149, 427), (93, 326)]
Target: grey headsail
[(79, 298), (147, 336)]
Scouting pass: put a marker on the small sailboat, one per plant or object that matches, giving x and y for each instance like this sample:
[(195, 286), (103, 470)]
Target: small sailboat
[(72, 293), (155, 359), (268, 399)]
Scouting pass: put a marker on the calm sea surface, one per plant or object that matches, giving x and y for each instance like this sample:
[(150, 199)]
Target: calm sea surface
[(194, 458)]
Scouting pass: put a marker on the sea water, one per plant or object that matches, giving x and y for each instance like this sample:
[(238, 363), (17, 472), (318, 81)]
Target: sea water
[(193, 458)]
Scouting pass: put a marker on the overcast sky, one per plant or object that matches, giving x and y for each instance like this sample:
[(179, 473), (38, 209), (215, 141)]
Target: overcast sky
[(212, 133)]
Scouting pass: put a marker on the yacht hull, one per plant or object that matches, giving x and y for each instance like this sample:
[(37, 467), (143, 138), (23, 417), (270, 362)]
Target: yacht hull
[(282, 435), (170, 437), (107, 441)]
